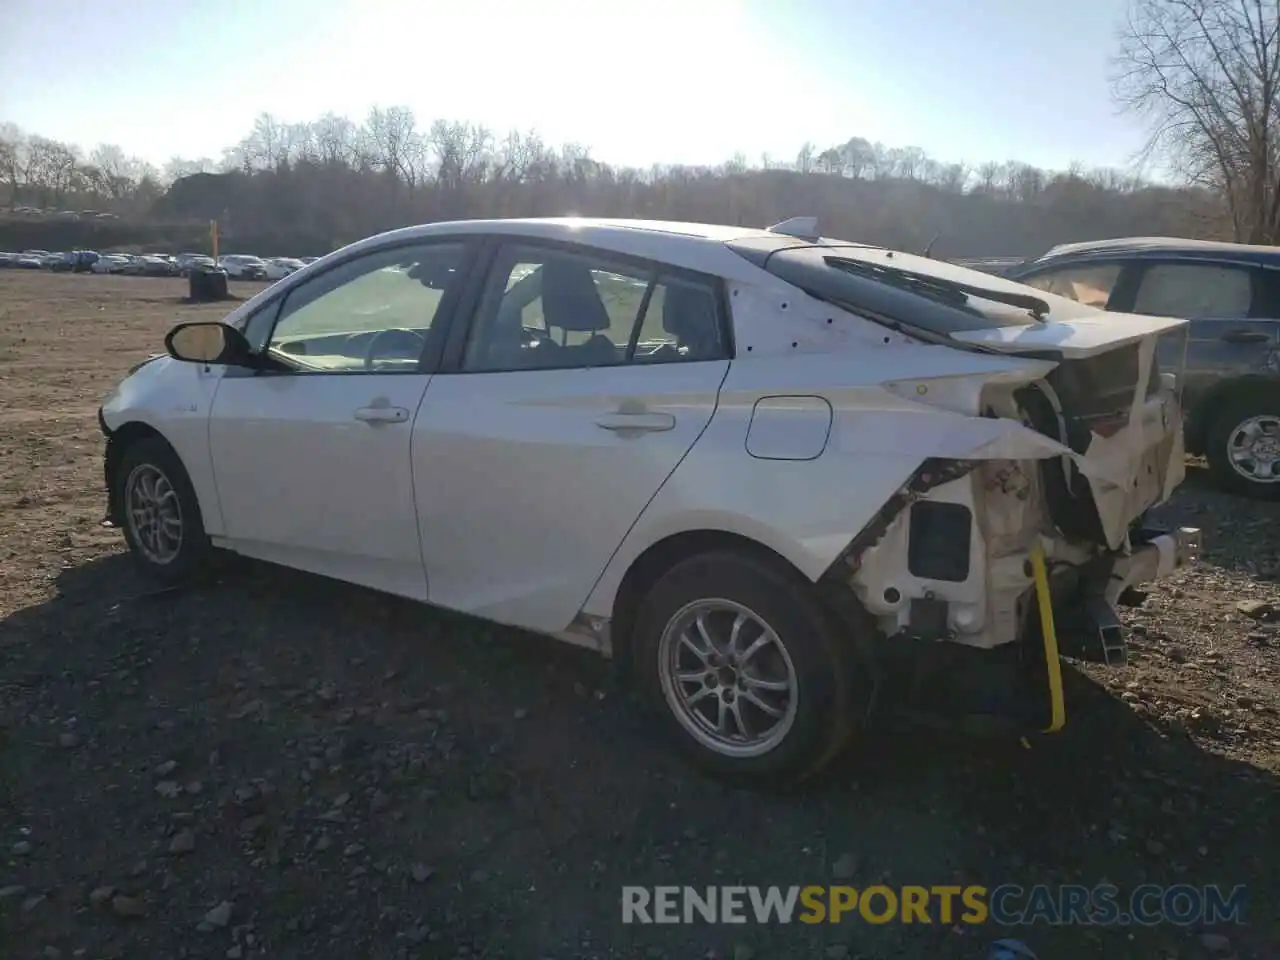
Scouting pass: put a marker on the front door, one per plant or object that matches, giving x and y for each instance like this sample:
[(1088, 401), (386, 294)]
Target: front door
[(311, 458), (584, 382)]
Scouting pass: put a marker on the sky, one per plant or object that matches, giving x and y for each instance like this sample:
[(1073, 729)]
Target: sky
[(689, 81)]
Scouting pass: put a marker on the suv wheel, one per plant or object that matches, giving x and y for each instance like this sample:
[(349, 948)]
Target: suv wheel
[(746, 668), (1243, 447)]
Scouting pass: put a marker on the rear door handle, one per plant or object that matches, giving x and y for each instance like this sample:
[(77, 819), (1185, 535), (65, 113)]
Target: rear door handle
[(1246, 336), (637, 422), (382, 414)]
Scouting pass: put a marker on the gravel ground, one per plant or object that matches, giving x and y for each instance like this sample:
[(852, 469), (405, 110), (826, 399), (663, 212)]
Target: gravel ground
[(274, 765)]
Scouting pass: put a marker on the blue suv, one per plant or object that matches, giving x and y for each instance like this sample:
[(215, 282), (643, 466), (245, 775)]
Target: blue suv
[(1230, 293)]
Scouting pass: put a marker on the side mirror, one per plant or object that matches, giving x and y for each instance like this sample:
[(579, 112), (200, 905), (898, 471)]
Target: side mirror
[(207, 341)]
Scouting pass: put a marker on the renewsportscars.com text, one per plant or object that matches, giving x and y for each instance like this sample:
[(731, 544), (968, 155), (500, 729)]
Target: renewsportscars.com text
[(1008, 905)]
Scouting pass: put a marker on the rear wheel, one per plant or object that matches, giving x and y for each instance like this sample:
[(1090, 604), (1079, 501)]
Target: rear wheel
[(746, 668), (1243, 445), (159, 511)]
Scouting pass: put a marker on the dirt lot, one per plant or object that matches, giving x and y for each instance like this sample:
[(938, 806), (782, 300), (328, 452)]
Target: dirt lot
[(352, 776)]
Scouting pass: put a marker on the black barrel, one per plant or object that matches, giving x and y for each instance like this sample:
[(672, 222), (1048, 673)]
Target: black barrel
[(206, 283)]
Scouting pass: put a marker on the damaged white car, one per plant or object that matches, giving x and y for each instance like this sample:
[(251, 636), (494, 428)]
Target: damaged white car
[(794, 484)]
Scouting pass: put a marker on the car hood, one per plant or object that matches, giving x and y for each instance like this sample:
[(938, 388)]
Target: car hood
[(1073, 338), (142, 363)]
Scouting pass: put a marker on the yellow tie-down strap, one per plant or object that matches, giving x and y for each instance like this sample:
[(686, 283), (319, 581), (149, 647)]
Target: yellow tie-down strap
[(1053, 664)]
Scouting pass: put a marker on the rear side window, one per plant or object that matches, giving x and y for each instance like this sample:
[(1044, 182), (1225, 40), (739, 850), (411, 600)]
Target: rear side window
[(552, 309), (1194, 290), (1088, 283)]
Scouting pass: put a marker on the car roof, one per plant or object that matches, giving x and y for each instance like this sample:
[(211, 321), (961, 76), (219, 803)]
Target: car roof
[(703, 247), (1156, 247), (605, 232)]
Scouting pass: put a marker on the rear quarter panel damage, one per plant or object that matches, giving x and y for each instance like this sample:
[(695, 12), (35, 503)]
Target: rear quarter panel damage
[(808, 510)]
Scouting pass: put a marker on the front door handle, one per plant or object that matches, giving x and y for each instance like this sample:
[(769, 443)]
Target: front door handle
[(637, 422), (1246, 336), (382, 414)]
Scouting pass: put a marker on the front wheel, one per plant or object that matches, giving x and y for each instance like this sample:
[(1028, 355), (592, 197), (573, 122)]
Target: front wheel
[(1243, 447), (746, 668), (159, 511)]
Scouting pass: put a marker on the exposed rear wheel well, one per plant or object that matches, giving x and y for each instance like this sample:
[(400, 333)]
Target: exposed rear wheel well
[(648, 568)]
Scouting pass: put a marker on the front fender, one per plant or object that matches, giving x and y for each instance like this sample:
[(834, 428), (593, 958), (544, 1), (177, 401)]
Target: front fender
[(173, 399)]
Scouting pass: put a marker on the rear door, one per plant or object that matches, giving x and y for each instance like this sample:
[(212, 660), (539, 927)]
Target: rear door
[(1231, 331), (581, 383)]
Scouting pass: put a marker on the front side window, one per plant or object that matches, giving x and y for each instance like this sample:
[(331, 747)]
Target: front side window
[(1194, 290), (1090, 284), (373, 313), (553, 309)]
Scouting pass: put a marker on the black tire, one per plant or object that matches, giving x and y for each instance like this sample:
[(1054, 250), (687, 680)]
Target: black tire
[(1224, 424), (824, 663), (194, 548)]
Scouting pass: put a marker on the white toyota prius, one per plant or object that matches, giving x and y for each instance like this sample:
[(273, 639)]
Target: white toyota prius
[(792, 483)]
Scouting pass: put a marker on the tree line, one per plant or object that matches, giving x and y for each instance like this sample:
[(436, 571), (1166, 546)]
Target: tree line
[(307, 187), (1204, 74)]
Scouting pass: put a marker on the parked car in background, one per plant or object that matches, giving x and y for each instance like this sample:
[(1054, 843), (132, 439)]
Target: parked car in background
[(198, 262), (186, 261), (110, 263), (1231, 294), (280, 267), (158, 265), (78, 261), (242, 266), (26, 261), (774, 474)]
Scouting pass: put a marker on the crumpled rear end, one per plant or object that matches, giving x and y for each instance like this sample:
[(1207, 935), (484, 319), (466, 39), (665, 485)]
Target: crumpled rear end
[(1068, 461)]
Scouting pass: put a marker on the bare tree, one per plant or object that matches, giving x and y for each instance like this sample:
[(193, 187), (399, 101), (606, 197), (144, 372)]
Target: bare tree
[(988, 175), (393, 142), (911, 162), (335, 139), (804, 158), (1206, 74), (50, 168), (737, 164), (858, 157), (269, 140), (953, 177), (178, 167), (13, 148), (117, 173)]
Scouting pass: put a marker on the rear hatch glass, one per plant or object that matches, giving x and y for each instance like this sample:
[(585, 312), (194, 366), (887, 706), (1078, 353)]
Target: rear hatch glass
[(931, 295)]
